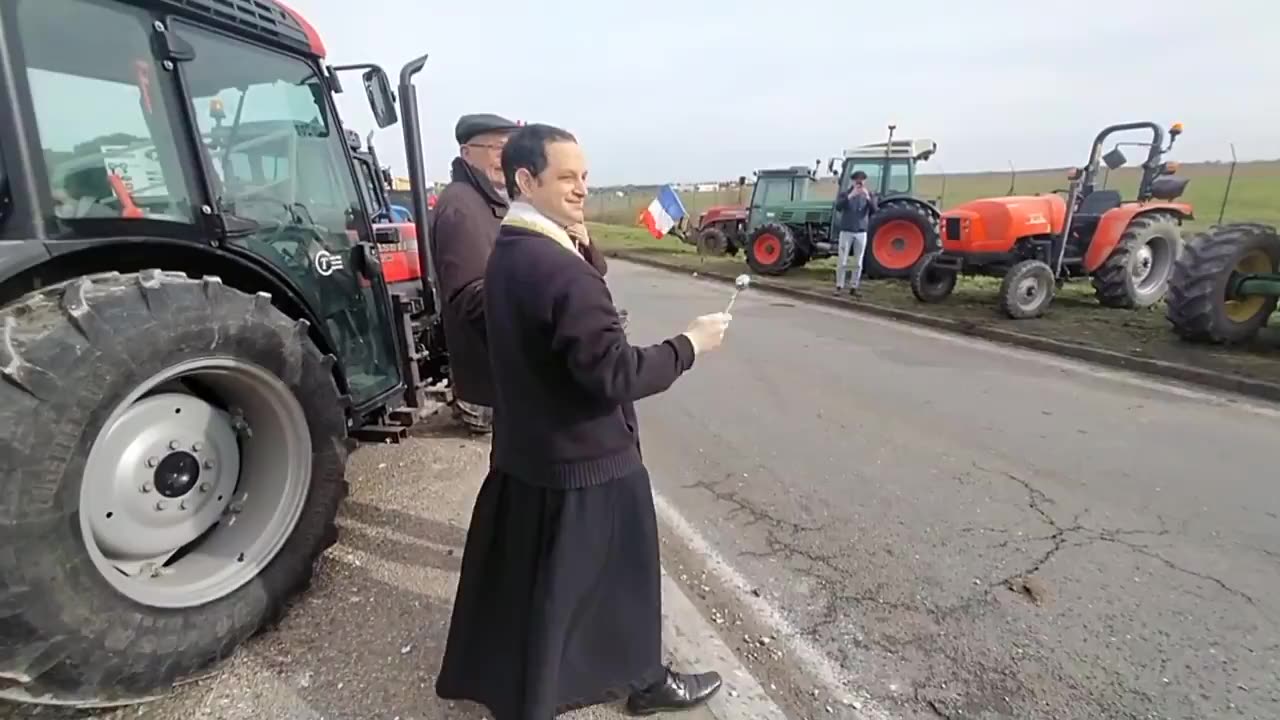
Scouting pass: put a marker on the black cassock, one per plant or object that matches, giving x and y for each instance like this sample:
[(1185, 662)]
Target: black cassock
[(559, 605), (559, 602)]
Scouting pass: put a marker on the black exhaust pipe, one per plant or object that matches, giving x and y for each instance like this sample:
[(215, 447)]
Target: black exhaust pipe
[(418, 177)]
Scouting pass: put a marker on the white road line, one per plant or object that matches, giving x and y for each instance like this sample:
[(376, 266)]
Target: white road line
[(697, 647), (812, 662)]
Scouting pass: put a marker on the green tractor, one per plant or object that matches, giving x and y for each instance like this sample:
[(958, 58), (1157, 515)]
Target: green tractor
[(787, 228)]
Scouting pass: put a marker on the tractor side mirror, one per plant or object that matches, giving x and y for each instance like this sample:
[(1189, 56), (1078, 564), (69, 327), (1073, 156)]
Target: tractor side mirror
[(831, 166), (381, 100), (1115, 159), (742, 181)]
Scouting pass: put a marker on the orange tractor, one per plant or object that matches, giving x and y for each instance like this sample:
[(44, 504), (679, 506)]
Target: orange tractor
[(1036, 243)]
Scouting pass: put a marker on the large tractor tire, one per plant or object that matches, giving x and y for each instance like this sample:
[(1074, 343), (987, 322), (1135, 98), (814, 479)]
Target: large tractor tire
[(1198, 305), (772, 249), (931, 284), (898, 236), (1137, 273), (172, 453), (1027, 290)]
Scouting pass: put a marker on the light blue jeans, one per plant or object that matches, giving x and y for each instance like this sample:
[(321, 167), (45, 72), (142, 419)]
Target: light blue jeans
[(855, 244)]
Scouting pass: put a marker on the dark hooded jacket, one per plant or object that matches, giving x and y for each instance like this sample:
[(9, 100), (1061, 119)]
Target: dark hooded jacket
[(464, 227)]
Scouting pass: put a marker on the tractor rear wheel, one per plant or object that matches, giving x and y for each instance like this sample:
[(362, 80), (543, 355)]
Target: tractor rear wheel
[(1198, 305), (929, 283), (1137, 273), (1027, 290), (899, 235), (174, 457), (771, 249)]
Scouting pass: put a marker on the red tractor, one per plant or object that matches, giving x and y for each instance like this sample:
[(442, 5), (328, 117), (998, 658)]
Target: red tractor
[(719, 230), (1036, 243)]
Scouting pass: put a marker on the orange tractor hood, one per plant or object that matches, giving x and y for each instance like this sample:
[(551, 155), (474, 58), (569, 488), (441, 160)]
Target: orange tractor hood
[(994, 224)]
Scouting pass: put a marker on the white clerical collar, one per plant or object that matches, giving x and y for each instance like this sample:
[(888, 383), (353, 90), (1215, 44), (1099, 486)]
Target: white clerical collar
[(523, 215)]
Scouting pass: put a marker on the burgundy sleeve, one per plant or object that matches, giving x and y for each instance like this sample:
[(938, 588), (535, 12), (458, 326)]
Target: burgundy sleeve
[(588, 334)]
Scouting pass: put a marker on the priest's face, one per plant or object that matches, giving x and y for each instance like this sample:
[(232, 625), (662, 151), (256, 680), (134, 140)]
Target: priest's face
[(560, 191)]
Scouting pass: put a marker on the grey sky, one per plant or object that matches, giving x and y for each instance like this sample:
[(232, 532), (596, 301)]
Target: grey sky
[(711, 89)]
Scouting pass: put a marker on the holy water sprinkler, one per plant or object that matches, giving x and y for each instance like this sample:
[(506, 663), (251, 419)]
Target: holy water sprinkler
[(742, 282)]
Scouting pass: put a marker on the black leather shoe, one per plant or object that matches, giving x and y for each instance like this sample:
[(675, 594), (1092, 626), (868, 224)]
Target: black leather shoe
[(677, 691)]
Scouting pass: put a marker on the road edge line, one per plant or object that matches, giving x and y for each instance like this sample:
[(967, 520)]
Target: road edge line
[(811, 661), (695, 643), (1230, 382)]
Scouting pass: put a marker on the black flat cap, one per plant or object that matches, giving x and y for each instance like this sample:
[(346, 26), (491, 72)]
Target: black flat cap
[(470, 126)]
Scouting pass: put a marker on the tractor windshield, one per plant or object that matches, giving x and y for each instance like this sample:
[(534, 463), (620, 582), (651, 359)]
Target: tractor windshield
[(899, 180), (103, 120), (267, 132)]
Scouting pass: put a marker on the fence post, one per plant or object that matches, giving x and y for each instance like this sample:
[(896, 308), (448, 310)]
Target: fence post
[(1227, 193)]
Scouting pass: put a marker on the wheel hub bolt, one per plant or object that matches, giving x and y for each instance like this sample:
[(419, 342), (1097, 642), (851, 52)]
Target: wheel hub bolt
[(153, 461), (204, 487), (208, 464), (182, 505), (197, 447), (174, 444), (146, 487), (161, 505)]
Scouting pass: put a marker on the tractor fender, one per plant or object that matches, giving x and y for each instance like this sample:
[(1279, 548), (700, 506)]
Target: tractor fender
[(1113, 223), (929, 208), (23, 262)]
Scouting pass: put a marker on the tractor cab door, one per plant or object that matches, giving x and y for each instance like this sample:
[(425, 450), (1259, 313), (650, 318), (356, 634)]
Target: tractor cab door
[(286, 189), (769, 193)]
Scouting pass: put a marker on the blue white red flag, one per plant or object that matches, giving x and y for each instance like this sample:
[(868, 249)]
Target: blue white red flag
[(663, 213)]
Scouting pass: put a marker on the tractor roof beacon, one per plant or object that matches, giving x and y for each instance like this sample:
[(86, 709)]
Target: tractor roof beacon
[(786, 228), (195, 322), (1036, 243)]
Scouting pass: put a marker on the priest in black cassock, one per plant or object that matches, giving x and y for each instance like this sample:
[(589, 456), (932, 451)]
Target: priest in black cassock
[(559, 605)]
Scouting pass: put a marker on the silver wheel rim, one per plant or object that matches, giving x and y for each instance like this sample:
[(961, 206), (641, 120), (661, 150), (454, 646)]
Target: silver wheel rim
[(185, 499), (1151, 265), (1030, 292)]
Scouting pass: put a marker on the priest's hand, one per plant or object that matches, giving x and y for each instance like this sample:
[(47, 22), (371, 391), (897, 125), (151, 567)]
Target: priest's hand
[(707, 332)]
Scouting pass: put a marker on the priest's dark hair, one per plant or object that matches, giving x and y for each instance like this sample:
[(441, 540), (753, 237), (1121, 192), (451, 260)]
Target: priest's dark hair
[(527, 149)]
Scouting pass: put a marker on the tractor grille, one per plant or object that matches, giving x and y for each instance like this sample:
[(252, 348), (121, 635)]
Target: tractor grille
[(952, 229), (814, 217), (786, 216)]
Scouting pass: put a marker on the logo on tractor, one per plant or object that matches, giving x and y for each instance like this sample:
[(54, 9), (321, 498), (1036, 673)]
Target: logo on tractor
[(327, 263)]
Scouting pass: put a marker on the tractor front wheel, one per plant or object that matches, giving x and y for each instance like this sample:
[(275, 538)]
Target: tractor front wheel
[(712, 241), (174, 460), (1137, 273), (899, 235), (772, 249), (1200, 305), (929, 283), (1027, 290)]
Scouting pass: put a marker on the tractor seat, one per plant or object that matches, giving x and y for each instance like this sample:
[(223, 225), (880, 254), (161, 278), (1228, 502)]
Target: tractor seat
[(1098, 202), (1168, 187)]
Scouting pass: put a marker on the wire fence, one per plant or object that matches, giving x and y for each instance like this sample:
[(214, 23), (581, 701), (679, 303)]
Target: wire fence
[(1220, 191)]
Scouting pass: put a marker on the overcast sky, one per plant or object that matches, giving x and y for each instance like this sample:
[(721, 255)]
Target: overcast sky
[(687, 90)]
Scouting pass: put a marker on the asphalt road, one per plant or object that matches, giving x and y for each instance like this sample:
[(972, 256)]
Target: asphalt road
[(968, 530)]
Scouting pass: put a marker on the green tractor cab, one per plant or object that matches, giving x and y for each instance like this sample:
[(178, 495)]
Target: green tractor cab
[(787, 227)]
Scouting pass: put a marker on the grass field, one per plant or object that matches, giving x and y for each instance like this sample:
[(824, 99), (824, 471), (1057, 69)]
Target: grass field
[(1255, 192), (1074, 316)]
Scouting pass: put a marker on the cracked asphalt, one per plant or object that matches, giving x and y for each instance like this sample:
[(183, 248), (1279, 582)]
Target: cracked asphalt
[(969, 530)]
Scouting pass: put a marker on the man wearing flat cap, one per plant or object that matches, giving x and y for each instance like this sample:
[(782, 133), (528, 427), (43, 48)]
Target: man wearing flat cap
[(463, 229)]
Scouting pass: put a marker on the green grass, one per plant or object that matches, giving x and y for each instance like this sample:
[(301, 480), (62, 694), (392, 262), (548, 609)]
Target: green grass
[(1074, 316), (1255, 192)]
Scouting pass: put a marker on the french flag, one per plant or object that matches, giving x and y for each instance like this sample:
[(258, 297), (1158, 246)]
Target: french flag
[(663, 213)]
